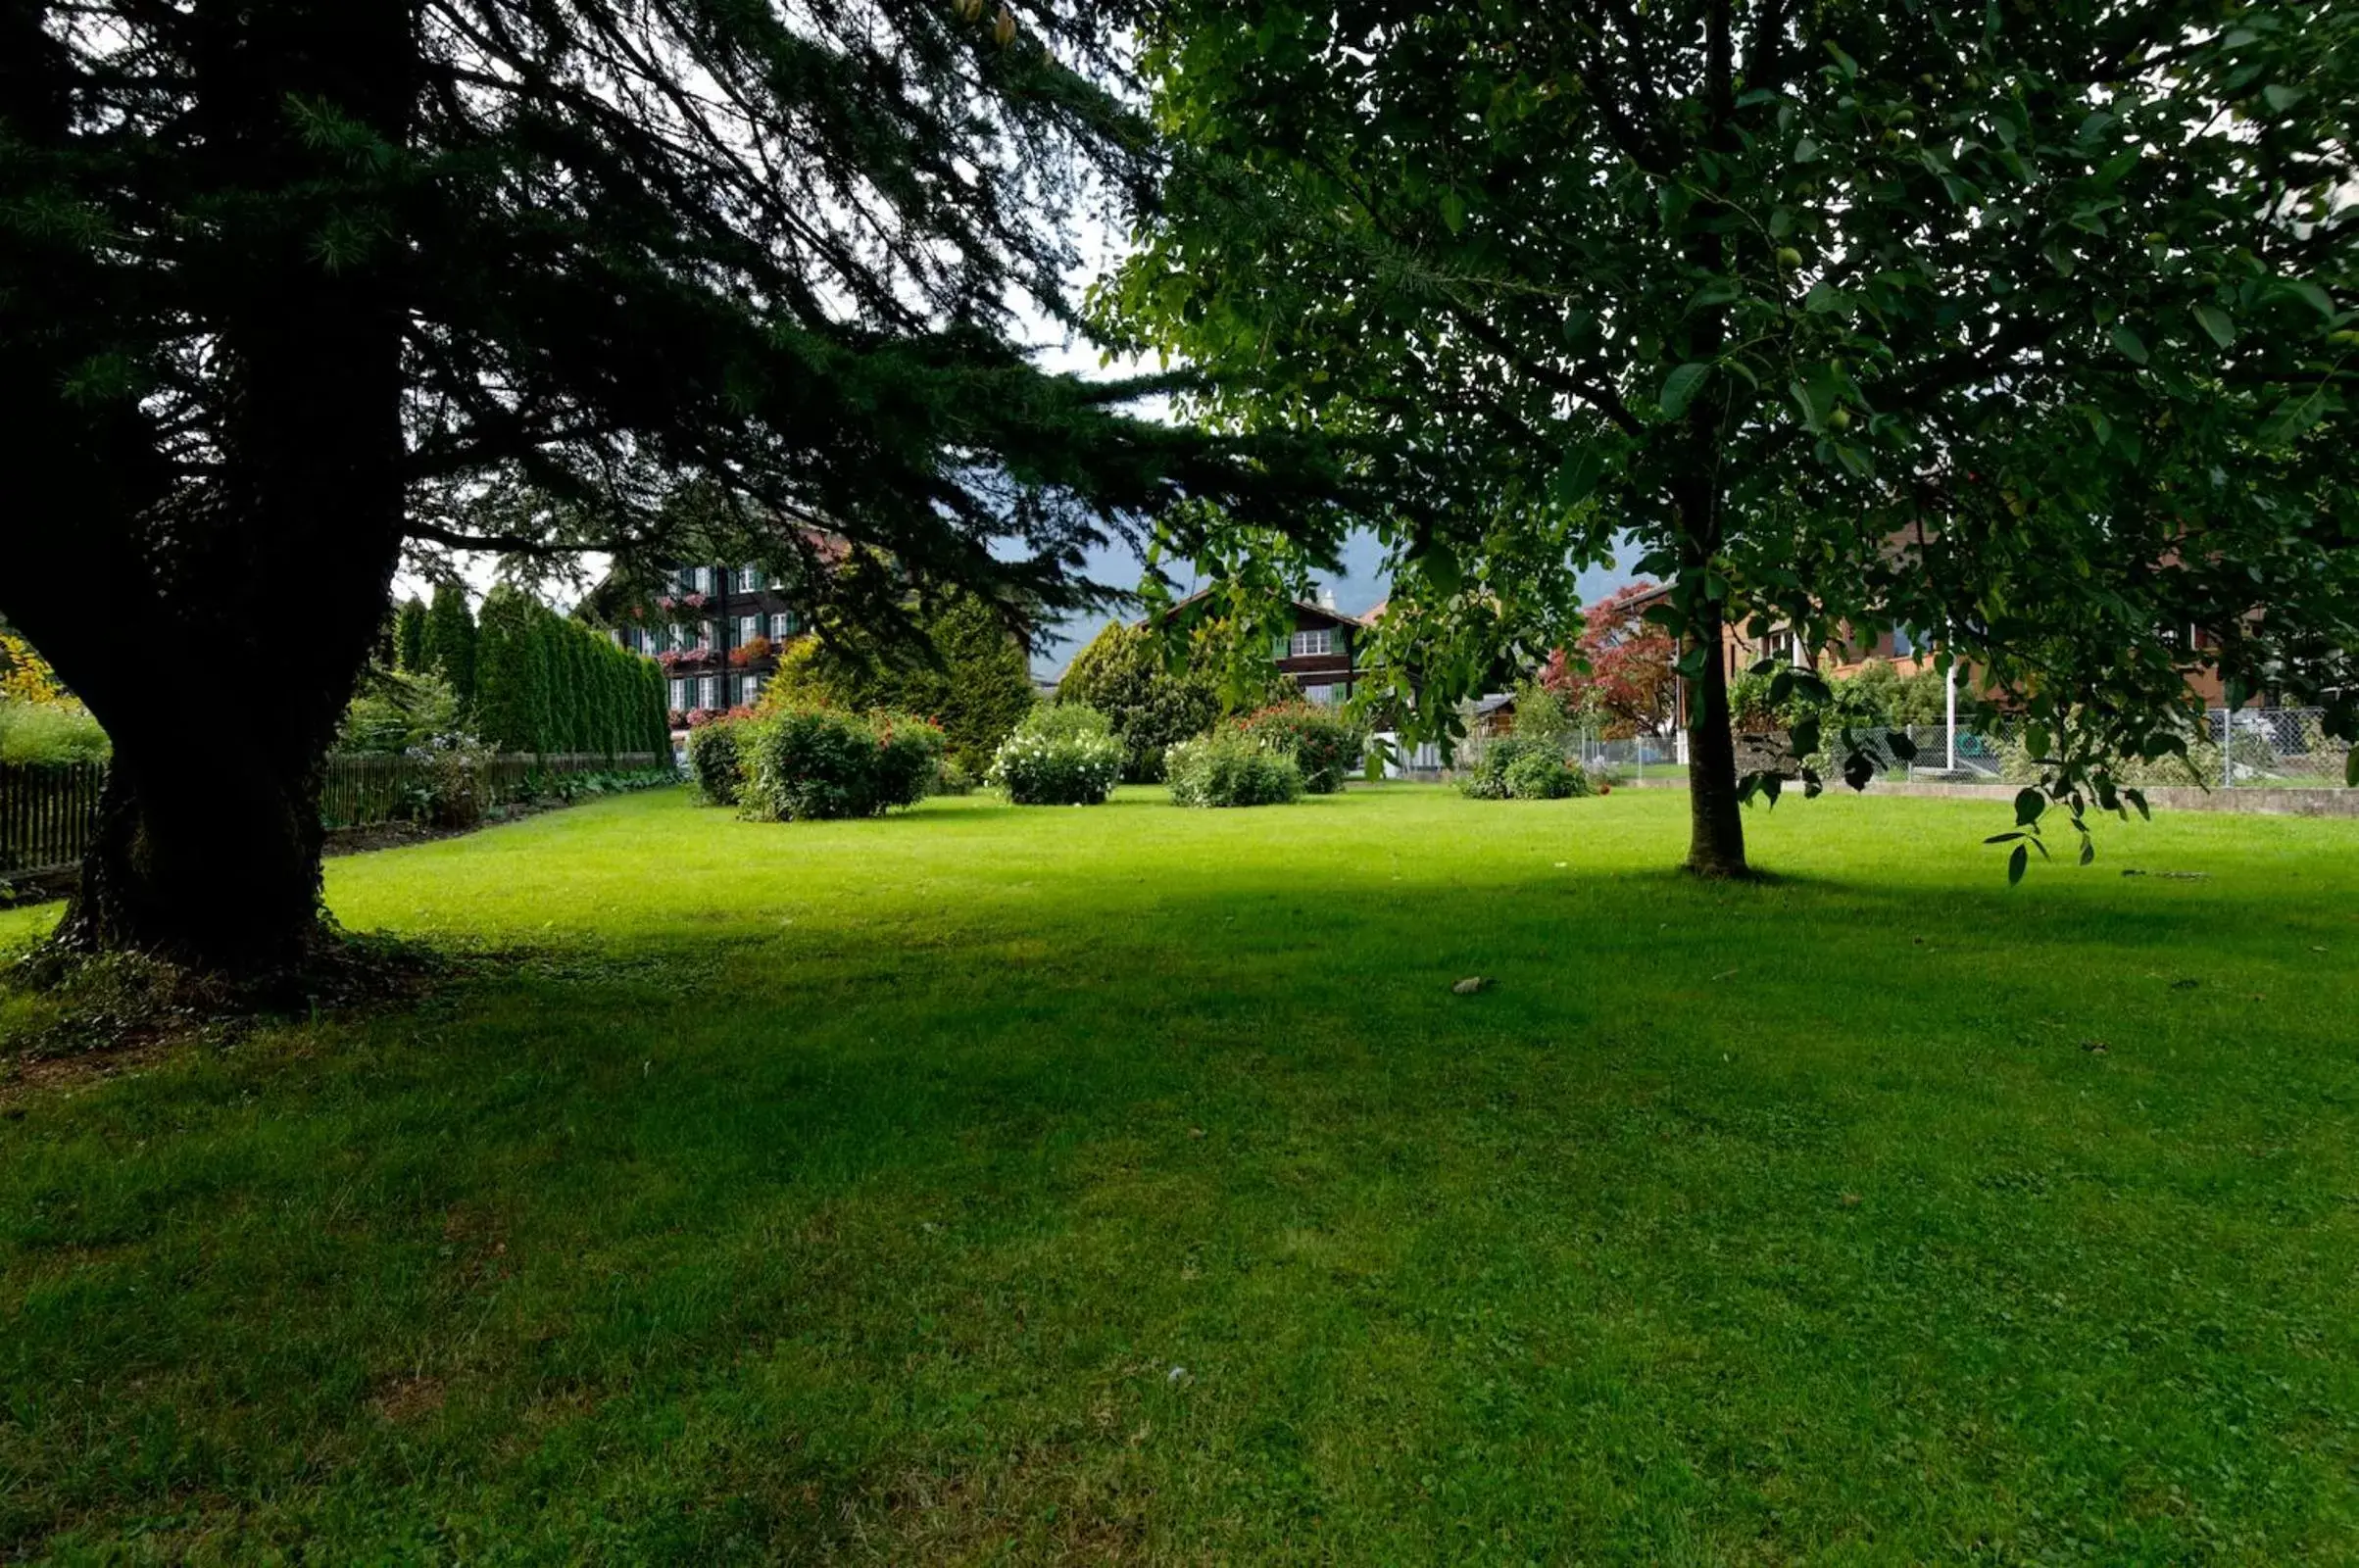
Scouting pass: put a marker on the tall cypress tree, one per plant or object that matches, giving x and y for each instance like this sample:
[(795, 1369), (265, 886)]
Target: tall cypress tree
[(447, 646), (410, 637), (512, 665)]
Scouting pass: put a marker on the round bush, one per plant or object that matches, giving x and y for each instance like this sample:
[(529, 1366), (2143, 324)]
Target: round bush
[(1325, 745), (1542, 776), (1061, 755), (715, 760), (1229, 768), (818, 763)]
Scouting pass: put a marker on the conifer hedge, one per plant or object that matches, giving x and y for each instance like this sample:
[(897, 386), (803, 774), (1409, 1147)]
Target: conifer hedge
[(546, 684)]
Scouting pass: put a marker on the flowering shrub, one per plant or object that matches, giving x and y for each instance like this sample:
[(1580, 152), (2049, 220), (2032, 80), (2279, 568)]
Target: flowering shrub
[(1061, 755), (1230, 767), (1324, 744), (752, 651), (450, 792), (675, 658), (812, 764)]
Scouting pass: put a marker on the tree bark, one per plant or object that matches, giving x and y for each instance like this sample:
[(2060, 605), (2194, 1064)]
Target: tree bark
[(266, 570), (1715, 818)]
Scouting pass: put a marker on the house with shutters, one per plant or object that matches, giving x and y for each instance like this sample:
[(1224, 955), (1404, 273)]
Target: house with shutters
[(717, 630), (1320, 654)]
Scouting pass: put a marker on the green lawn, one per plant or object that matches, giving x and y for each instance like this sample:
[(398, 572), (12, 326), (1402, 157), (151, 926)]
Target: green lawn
[(996, 1185)]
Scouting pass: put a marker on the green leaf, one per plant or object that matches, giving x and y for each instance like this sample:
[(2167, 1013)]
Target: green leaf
[(2089, 848), (1454, 211), (1578, 476), (1441, 563), (2002, 838), (2130, 343), (1804, 736), (1680, 387), (2138, 798), (1902, 746), (2015, 864), (2282, 98), (2312, 295), (1806, 150), (2350, 768), (2029, 804), (2216, 321)]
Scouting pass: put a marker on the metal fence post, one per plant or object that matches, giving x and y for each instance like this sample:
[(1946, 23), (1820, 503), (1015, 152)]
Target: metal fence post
[(2227, 749)]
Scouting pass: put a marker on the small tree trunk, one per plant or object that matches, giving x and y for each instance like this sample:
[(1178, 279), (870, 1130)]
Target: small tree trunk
[(1715, 819)]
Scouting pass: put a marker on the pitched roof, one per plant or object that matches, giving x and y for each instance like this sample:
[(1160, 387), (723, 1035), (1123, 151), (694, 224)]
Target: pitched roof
[(1329, 611)]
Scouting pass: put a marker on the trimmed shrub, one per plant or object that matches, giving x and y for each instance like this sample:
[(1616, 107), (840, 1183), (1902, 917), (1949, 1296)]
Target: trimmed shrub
[(1511, 769), (1543, 776), (1325, 745), (1230, 767), (1066, 755), (1121, 673), (819, 763), (392, 713), (716, 762)]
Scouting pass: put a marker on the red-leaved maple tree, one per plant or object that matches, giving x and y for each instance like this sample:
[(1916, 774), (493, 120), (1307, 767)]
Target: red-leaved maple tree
[(1622, 675)]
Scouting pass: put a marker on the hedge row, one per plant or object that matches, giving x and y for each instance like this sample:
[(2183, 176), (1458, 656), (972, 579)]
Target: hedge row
[(544, 683)]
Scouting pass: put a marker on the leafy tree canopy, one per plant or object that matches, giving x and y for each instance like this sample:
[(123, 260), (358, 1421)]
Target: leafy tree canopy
[(2031, 322)]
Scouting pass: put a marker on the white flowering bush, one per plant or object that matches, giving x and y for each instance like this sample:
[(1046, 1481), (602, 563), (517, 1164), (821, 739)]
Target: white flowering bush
[(1062, 753), (1230, 768)]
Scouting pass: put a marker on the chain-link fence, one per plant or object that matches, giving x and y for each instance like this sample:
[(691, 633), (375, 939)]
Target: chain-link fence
[(2250, 747)]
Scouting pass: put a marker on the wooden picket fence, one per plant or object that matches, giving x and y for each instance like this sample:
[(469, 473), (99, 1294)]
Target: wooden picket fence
[(46, 813), (48, 810)]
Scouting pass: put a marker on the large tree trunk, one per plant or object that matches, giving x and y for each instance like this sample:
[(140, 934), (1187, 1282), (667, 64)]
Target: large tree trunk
[(217, 630), (1715, 818)]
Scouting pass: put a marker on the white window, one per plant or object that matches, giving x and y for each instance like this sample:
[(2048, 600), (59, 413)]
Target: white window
[(674, 637), (680, 694), (782, 625), (700, 579), (748, 580), (1309, 644), (749, 627), (704, 636), (708, 691), (1325, 696), (749, 689)]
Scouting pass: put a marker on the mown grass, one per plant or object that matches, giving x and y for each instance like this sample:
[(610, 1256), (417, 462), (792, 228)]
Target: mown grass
[(1129, 1184)]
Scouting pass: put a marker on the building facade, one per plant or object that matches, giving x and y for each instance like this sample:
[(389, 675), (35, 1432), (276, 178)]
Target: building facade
[(717, 632), (1320, 654)]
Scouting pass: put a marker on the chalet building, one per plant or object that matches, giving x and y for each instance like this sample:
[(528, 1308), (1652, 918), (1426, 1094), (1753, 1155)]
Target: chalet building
[(716, 631), (1320, 654)]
